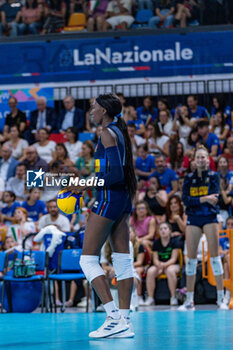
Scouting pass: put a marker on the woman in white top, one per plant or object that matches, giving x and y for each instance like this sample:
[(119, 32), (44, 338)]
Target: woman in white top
[(16, 144), (157, 143), (44, 147), (165, 122), (218, 126), (73, 146)]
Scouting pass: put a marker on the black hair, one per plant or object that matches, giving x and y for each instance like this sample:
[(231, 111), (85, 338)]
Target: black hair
[(165, 102), (175, 160), (46, 130), (223, 122), (34, 4), (60, 144), (131, 124), (151, 108), (190, 141), (113, 106), (181, 120), (11, 194), (144, 146), (202, 123), (193, 96), (221, 102), (74, 131)]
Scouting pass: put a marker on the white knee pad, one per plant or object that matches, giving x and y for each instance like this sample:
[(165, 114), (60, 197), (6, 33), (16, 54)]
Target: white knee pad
[(191, 267), (91, 267), (123, 266), (216, 264)]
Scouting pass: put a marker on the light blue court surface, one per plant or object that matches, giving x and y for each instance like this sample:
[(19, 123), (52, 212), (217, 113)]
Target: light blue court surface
[(167, 330)]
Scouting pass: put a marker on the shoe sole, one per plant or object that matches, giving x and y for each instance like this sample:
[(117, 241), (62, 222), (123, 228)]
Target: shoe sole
[(121, 335), (193, 309), (107, 336)]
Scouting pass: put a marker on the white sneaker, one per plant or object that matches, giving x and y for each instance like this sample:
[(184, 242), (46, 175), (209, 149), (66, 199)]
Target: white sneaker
[(83, 302), (222, 305), (149, 302), (100, 308), (187, 306), (141, 302), (129, 333), (173, 301), (110, 327)]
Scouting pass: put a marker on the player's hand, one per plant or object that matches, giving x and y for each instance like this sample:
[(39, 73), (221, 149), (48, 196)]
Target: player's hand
[(212, 199)]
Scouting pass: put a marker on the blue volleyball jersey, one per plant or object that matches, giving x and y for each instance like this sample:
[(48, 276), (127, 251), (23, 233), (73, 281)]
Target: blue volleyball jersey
[(196, 187)]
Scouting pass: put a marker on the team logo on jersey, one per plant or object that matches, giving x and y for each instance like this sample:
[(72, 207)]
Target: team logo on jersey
[(198, 191)]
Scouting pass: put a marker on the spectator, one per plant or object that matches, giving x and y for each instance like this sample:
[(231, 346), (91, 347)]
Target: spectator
[(224, 172), (34, 206), (17, 183), (157, 142), (44, 147), (77, 6), (210, 139), (10, 17), (42, 117), (167, 177), (191, 143), (196, 111), (119, 14), (16, 144), (61, 154), (183, 124), (187, 11), (228, 152), (147, 112), (56, 16), (89, 124), (225, 201), (85, 163), (175, 216), (8, 164), (219, 105), (71, 116), (73, 145), (165, 123), (130, 116), (54, 218), (97, 16), (7, 213), (165, 260), (177, 160), (31, 16), (15, 117), (164, 10), (148, 4), (145, 163), (32, 161), (136, 140), (144, 224), (219, 127), (163, 105)]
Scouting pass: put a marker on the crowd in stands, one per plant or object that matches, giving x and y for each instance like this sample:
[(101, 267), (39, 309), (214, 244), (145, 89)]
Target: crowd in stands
[(20, 17), (163, 142)]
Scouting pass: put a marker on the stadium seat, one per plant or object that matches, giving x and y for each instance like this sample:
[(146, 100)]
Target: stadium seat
[(3, 259), (84, 136), (77, 22), (58, 138), (142, 18)]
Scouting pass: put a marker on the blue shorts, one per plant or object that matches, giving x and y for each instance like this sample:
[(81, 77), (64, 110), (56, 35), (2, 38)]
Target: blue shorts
[(201, 221), (111, 204)]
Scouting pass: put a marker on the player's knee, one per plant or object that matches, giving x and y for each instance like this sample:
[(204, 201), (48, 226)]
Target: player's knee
[(191, 267), (91, 267), (216, 265), (123, 266)]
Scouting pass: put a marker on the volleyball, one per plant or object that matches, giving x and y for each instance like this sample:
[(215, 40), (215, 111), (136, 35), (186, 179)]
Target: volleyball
[(69, 203)]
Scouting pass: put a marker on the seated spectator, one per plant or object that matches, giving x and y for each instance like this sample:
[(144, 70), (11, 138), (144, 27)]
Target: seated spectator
[(175, 216), (183, 124), (85, 163), (44, 147), (224, 201), (157, 142), (55, 17), (224, 171), (147, 112), (61, 154), (179, 193), (145, 163), (73, 145), (164, 10), (89, 124), (8, 164), (156, 198), (219, 105), (163, 105), (42, 117), (71, 116), (165, 123), (32, 161), (98, 132), (191, 143), (219, 127), (145, 4), (130, 116), (177, 161), (54, 218), (34, 206), (97, 16), (196, 111), (16, 144), (17, 183), (10, 17), (165, 260), (118, 14), (143, 224), (15, 117), (49, 193), (7, 213), (136, 140), (187, 11), (228, 152), (21, 228), (31, 16), (211, 140), (167, 177)]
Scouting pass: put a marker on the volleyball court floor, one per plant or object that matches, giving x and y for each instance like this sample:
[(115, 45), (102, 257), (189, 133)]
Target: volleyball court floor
[(161, 329)]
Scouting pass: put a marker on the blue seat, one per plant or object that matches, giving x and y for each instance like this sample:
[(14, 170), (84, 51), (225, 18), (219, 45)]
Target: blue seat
[(69, 269), (41, 262), (84, 136), (142, 18), (3, 259)]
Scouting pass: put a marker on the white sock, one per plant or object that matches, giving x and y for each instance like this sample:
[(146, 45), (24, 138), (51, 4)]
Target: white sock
[(111, 310), (220, 294), (190, 296), (126, 314), (228, 293)]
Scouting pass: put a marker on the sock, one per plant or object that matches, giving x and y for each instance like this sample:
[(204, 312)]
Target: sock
[(111, 310), (228, 293), (190, 296), (126, 314), (220, 294)]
